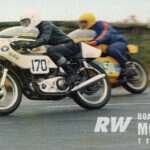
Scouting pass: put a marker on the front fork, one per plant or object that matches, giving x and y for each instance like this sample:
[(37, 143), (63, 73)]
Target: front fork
[(3, 79), (5, 70)]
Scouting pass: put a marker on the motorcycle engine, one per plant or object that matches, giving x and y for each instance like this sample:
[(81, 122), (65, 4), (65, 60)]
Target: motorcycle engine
[(54, 85)]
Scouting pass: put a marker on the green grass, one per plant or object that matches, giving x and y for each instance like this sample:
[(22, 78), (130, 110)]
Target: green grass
[(143, 42)]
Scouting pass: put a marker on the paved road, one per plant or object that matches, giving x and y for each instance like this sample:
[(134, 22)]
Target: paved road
[(63, 125)]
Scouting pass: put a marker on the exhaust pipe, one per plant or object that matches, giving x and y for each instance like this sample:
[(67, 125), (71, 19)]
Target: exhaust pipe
[(88, 82)]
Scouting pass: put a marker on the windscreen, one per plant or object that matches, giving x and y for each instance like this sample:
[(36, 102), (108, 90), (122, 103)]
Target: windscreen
[(79, 33), (20, 32)]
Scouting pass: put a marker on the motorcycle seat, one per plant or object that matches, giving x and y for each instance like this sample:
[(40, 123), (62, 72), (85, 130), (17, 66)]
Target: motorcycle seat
[(131, 48)]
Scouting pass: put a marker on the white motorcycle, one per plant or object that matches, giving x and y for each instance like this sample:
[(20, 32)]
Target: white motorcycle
[(36, 76)]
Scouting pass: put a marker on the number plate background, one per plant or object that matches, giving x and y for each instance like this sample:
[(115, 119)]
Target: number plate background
[(39, 66)]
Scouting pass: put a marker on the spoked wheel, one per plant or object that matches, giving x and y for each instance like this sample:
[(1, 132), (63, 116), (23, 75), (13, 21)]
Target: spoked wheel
[(96, 95), (10, 94), (139, 82)]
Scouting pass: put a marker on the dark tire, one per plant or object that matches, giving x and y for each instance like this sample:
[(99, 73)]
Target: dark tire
[(141, 84), (105, 97), (13, 84)]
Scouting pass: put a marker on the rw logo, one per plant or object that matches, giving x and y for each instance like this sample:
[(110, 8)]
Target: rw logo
[(116, 124)]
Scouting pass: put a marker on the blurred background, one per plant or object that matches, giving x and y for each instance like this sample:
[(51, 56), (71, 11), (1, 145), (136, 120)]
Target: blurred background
[(131, 18)]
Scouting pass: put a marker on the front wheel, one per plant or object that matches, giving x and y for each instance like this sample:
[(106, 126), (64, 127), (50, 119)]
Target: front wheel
[(10, 94), (96, 95), (140, 81)]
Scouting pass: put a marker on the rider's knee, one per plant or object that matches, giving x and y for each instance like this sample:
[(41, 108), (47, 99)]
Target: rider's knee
[(50, 50), (110, 50)]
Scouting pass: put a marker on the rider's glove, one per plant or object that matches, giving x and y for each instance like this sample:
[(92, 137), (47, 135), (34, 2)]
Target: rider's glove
[(27, 45), (16, 45), (93, 43)]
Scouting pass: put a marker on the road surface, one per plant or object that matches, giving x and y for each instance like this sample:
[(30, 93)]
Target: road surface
[(62, 125)]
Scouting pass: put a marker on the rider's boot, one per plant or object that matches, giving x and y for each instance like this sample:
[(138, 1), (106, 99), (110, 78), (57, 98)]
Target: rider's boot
[(72, 74), (126, 71)]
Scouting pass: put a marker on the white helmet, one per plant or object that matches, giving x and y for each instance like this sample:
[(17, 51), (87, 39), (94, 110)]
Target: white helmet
[(32, 16)]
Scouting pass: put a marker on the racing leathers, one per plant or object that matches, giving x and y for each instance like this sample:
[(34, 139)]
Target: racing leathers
[(61, 45), (117, 43)]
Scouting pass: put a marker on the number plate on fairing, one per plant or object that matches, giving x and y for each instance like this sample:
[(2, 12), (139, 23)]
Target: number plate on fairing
[(39, 66), (109, 67)]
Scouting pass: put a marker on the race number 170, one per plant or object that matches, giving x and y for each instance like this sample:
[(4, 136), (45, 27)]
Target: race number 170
[(39, 66)]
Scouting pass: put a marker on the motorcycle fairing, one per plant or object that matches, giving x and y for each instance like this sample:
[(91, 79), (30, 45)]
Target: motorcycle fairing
[(38, 64), (110, 66)]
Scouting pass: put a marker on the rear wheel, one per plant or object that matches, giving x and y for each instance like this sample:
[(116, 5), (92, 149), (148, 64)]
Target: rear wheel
[(96, 95), (139, 82)]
